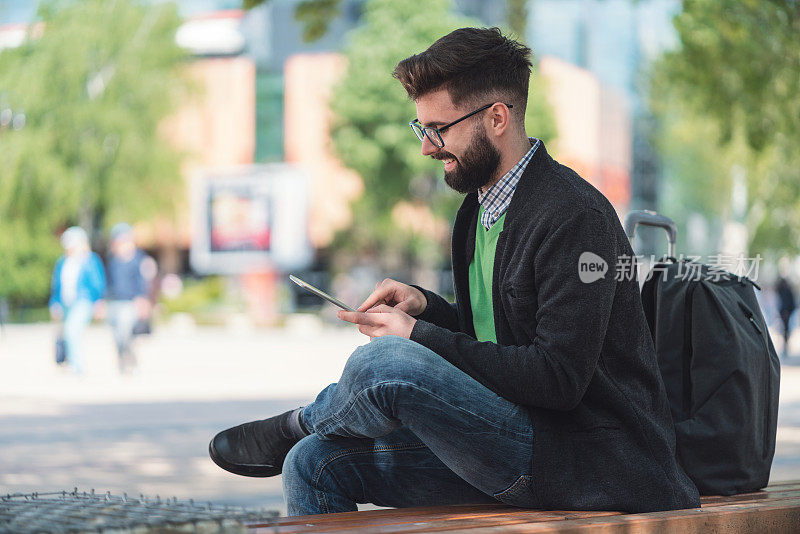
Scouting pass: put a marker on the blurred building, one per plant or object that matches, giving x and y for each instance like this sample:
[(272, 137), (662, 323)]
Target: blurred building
[(614, 40), (217, 129), (12, 35), (309, 79), (265, 92), (594, 128)]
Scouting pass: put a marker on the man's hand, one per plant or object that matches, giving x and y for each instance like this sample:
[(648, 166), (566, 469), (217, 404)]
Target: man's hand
[(142, 306), (382, 320), (56, 312), (99, 310), (400, 296)]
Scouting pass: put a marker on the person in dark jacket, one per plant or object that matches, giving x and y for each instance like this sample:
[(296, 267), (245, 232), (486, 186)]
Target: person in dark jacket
[(786, 307), (538, 387), (130, 275)]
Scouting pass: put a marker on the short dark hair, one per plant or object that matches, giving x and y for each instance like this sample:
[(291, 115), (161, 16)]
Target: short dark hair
[(471, 64)]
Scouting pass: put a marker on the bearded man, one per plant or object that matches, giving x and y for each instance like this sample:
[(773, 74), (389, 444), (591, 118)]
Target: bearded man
[(539, 387)]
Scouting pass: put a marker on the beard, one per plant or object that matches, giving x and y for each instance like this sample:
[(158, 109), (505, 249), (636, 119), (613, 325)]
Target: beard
[(475, 168)]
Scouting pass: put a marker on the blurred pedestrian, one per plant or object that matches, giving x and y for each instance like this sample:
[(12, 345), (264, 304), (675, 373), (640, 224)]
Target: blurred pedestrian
[(130, 273), (786, 306), (78, 286)]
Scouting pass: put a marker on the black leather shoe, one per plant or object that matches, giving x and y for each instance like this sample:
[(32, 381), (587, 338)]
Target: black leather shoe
[(255, 449)]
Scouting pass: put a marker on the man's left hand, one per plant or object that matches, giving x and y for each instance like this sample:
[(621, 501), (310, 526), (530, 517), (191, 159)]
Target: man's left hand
[(99, 310), (142, 306), (382, 320)]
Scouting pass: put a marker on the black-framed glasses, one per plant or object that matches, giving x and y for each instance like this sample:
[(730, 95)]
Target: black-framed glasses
[(434, 135)]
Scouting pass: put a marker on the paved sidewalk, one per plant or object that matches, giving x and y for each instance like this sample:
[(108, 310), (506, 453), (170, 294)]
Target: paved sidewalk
[(177, 362), (148, 433)]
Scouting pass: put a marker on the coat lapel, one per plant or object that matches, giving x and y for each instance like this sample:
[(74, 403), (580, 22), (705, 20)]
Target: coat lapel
[(463, 249)]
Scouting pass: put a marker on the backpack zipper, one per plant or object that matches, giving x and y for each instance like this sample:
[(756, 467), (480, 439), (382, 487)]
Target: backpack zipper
[(768, 399)]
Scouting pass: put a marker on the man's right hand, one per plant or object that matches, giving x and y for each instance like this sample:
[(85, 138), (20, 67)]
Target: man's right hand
[(56, 312), (401, 296)]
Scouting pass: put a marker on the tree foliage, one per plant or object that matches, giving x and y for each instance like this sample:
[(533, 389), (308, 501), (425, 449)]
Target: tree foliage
[(727, 98), (314, 15), (517, 16), (93, 87), (740, 62), (26, 261)]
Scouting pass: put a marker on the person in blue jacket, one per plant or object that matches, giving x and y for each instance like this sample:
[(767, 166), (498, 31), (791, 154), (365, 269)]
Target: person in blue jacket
[(78, 287)]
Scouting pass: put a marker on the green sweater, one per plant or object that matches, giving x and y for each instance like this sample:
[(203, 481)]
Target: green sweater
[(481, 271)]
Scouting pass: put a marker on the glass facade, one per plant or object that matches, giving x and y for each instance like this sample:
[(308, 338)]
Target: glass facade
[(269, 117), (16, 11), (609, 38)]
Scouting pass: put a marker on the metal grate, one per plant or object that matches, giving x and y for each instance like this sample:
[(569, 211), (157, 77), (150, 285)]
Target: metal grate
[(74, 511)]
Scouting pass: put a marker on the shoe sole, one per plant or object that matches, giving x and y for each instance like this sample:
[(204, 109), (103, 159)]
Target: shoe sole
[(258, 471)]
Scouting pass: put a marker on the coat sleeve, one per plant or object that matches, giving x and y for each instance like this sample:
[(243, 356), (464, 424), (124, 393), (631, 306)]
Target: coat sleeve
[(142, 289), (438, 311), (571, 321), (55, 283), (97, 277)]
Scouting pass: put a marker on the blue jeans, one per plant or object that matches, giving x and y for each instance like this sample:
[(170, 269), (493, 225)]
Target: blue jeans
[(76, 318), (122, 318), (404, 427)]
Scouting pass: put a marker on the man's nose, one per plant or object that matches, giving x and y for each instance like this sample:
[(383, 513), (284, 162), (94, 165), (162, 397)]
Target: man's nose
[(428, 147)]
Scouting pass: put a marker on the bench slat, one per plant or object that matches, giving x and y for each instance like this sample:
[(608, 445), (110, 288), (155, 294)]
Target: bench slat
[(749, 497), (437, 524), (777, 508), (782, 517), (392, 515), (428, 513), (727, 516)]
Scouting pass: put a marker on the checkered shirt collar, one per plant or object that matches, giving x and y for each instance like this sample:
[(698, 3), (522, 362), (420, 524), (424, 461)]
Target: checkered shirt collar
[(496, 199)]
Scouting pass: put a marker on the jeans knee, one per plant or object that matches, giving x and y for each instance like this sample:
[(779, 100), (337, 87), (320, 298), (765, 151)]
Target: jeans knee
[(318, 477), (384, 358), (300, 464), (310, 481)]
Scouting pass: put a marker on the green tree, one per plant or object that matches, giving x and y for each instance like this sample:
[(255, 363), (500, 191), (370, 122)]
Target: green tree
[(517, 16), (26, 261), (728, 98), (740, 62), (93, 88)]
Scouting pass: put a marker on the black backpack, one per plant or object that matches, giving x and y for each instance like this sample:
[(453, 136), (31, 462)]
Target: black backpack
[(721, 372)]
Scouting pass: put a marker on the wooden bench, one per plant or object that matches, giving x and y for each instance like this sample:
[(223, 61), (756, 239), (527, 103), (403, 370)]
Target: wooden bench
[(774, 510)]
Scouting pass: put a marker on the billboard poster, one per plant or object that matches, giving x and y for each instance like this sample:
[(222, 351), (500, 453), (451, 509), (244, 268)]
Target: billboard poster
[(239, 217), (250, 218)]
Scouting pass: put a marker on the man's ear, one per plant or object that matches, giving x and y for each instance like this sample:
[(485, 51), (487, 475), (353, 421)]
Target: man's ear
[(500, 117)]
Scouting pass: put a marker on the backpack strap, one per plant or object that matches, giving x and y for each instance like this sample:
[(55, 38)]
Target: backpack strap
[(649, 299)]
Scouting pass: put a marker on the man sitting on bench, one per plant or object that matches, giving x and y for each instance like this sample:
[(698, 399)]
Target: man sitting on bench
[(538, 387)]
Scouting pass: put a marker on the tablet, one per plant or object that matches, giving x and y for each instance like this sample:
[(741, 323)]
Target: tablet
[(320, 293)]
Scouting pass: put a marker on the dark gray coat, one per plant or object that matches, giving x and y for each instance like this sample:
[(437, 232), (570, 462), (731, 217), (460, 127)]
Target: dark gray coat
[(578, 355)]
